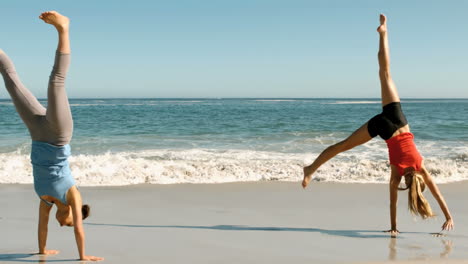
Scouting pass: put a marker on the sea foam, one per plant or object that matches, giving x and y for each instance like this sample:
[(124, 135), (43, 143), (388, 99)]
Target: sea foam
[(221, 166)]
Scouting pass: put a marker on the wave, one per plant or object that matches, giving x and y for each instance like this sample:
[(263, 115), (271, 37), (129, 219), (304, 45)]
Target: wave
[(132, 104), (181, 101), (220, 166), (93, 104), (354, 102), (275, 100), (412, 101)]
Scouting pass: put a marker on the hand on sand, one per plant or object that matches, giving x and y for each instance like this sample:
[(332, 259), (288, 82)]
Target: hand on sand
[(393, 232), (307, 176), (57, 20), (91, 258), (448, 225), (49, 252), (383, 24)]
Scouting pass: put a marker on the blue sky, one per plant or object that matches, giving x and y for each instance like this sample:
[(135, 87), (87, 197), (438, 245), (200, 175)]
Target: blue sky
[(242, 48)]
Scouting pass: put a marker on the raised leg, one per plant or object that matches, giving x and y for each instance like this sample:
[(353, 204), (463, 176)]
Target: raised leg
[(388, 89), (27, 105), (58, 116), (359, 137)]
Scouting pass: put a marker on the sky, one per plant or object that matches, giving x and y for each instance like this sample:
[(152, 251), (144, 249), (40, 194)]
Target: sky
[(242, 48)]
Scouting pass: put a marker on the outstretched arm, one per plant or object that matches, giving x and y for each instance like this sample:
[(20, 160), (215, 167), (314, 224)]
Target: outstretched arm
[(77, 221), (76, 204), (395, 179), (448, 225), (359, 137), (44, 211)]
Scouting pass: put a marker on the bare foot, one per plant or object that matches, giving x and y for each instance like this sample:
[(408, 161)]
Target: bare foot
[(49, 252), (383, 24), (60, 22), (307, 176)]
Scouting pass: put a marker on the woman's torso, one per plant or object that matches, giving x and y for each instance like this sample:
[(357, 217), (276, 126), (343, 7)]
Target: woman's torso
[(51, 170)]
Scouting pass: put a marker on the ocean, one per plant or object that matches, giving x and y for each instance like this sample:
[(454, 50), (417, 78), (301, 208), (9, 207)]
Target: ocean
[(167, 141)]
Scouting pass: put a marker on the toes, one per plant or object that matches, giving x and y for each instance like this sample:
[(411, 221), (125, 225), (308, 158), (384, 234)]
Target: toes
[(47, 16), (48, 13), (383, 18), (44, 15)]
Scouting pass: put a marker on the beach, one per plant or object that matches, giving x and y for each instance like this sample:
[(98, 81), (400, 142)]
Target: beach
[(187, 127), (218, 181), (256, 222)]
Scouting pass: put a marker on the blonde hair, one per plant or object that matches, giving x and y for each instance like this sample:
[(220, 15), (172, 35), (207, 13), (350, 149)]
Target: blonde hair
[(417, 203)]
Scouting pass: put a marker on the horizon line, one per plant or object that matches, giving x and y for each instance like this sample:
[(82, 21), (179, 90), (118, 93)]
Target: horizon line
[(218, 98)]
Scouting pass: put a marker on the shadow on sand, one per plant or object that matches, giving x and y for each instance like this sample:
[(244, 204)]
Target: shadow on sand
[(342, 233)]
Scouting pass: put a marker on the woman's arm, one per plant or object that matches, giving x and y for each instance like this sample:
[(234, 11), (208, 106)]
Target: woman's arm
[(448, 225), (76, 204), (44, 211), (395, 179)]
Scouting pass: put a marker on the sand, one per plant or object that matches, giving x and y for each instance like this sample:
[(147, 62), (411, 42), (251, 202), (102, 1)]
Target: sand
[(266, 222)]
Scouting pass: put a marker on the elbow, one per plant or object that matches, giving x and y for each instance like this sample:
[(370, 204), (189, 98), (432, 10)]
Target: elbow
[(426, 176), (79, 230), (394, 184), (43, 232)]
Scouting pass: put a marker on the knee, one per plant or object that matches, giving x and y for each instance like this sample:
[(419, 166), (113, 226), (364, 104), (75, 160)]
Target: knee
[(380, 54), (57, 77), (342, 146), (385, 74), (56, 81)]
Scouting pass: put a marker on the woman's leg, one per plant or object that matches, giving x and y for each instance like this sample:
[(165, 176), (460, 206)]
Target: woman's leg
[(58, 116), (388, 89), (359, 137), (28, 107), (362, 135)]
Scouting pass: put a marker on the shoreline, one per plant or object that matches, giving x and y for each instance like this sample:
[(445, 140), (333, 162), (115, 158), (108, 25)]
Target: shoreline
[(258, 222)]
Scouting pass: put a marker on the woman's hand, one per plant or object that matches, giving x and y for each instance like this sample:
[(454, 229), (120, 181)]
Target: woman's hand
[(393, 232), (91, 258), (448, 225), (49, 252)]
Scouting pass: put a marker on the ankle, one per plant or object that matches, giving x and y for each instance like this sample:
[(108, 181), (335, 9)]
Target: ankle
[(62, 29)]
